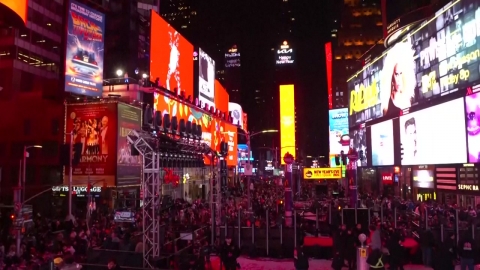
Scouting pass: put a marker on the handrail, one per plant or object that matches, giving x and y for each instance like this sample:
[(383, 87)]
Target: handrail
[(123, 267), (181, 237)]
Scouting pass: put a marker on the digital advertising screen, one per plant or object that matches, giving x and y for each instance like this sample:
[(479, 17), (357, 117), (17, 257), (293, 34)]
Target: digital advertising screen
[(437, 58), (339, 133), (285, 55), (423, 178), (84, 50), (287, 120), (435, 135), (358, 141), (18, 7), (95, 126), (230, 137), (171, 57), (472, 112), (206, 80), (382, 144), (129, 168), (243, 153), (237, 114), (221, 97), (232, 58), (329, 65)]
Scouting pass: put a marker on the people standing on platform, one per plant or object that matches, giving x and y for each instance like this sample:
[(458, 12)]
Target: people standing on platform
[(229, 254)]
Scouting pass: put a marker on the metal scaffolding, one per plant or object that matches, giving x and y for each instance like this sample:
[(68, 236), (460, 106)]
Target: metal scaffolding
[(152, 189)]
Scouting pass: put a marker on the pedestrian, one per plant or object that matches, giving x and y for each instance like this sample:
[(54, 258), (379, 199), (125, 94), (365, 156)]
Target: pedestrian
[(300, 259), (426, 243), (375, 260), (466, 252), (350, 249), (229, 254)]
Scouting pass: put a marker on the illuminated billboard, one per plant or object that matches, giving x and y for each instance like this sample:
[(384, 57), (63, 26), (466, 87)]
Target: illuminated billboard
[(285, 54), (338, 131), (428, 134), (84, 50), (328, 62), (129, 168), (206, 80), (237, 113), (221, 97), (171, 57), (437, 58), (230, 137), (19, 7), (232, 58), (95, 126), (322, 173), (287, 120)]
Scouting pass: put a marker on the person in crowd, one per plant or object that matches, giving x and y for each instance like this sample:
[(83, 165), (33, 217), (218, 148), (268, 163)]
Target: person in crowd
[(300, 259), (375, 237), (426, 243), (350, 249), (112, 264), (466, 249), (395, 249), (229, 254), (375, 260)]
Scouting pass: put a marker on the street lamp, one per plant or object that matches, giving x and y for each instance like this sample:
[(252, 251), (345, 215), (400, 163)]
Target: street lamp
[(119, 72), (25, 155), (249, 135)]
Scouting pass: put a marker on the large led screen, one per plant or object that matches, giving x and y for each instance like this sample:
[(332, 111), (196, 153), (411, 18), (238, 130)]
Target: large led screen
[(438, 58), (221, 97), (358, 142), (435, 135), (472, 111), (382, 144), (171, 57), (339, 134), (287, 120), (84, 50), (237, 114), (206, 80)]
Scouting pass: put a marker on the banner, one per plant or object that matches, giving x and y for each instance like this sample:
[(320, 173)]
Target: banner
[(322, 173), (94, 125), (231, 136), (439, 57), (84, 50), (129, 168), (338, 132), (287, 120)]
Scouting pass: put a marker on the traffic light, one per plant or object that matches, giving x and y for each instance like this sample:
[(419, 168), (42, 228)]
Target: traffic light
[(77, 153)]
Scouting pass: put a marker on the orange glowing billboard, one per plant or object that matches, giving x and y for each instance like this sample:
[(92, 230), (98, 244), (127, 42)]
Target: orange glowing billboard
[(171, 57), (17, 6), (221, 97), (287, 120), (230, 137)]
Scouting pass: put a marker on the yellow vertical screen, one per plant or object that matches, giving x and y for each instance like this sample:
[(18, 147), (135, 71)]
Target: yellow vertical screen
[(287, 120)]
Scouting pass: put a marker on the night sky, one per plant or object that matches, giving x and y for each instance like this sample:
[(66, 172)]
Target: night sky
[(256, 27)]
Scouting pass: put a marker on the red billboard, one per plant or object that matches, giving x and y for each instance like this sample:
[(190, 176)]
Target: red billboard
[(328, 61), (230, 137), (221, 97), (19, 7), (171, 57), (95, 126)]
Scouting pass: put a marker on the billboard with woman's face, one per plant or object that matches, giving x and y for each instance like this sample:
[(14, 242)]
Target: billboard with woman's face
[(437, 58)]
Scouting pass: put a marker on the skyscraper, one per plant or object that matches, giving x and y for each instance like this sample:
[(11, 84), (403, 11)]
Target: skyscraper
[(358, 28), (233, 73)]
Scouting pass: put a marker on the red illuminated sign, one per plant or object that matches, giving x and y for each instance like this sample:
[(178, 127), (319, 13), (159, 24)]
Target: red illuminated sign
[(387, 178), (328, 61)]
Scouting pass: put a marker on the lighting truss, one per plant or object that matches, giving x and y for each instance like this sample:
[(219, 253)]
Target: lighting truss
[(152, 190)]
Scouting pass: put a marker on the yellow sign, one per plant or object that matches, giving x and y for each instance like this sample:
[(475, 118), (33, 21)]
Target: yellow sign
[(287, 120), (363, 253), (363, 97), (322, 173)]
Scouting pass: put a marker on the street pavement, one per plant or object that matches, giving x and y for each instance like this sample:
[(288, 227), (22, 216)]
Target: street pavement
[(287, 264)]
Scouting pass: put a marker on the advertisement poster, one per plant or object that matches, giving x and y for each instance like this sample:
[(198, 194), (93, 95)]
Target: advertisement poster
[(358, 142), (171, 57), (427, 136), (285, 55), (382, 144), (472, 111), (95, 126), (237, 114), (436, 59), (338, 128), (129, 168), (322, 173), (84, 52), (206, 80), (231, 136)]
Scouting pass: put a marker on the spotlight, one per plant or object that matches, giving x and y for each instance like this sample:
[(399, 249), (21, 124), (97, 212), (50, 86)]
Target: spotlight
[(119, 72), (144, 75), (137, 71)]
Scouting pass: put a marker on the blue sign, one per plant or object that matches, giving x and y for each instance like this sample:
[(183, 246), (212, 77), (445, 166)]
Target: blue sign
[(339, 133), (84, 52)]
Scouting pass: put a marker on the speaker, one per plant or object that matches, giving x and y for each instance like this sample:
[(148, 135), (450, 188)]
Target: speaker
[(181, 126), (174, 123), (188, 127), (199, 130), (158, 120), (166, 121), (148, 115)]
